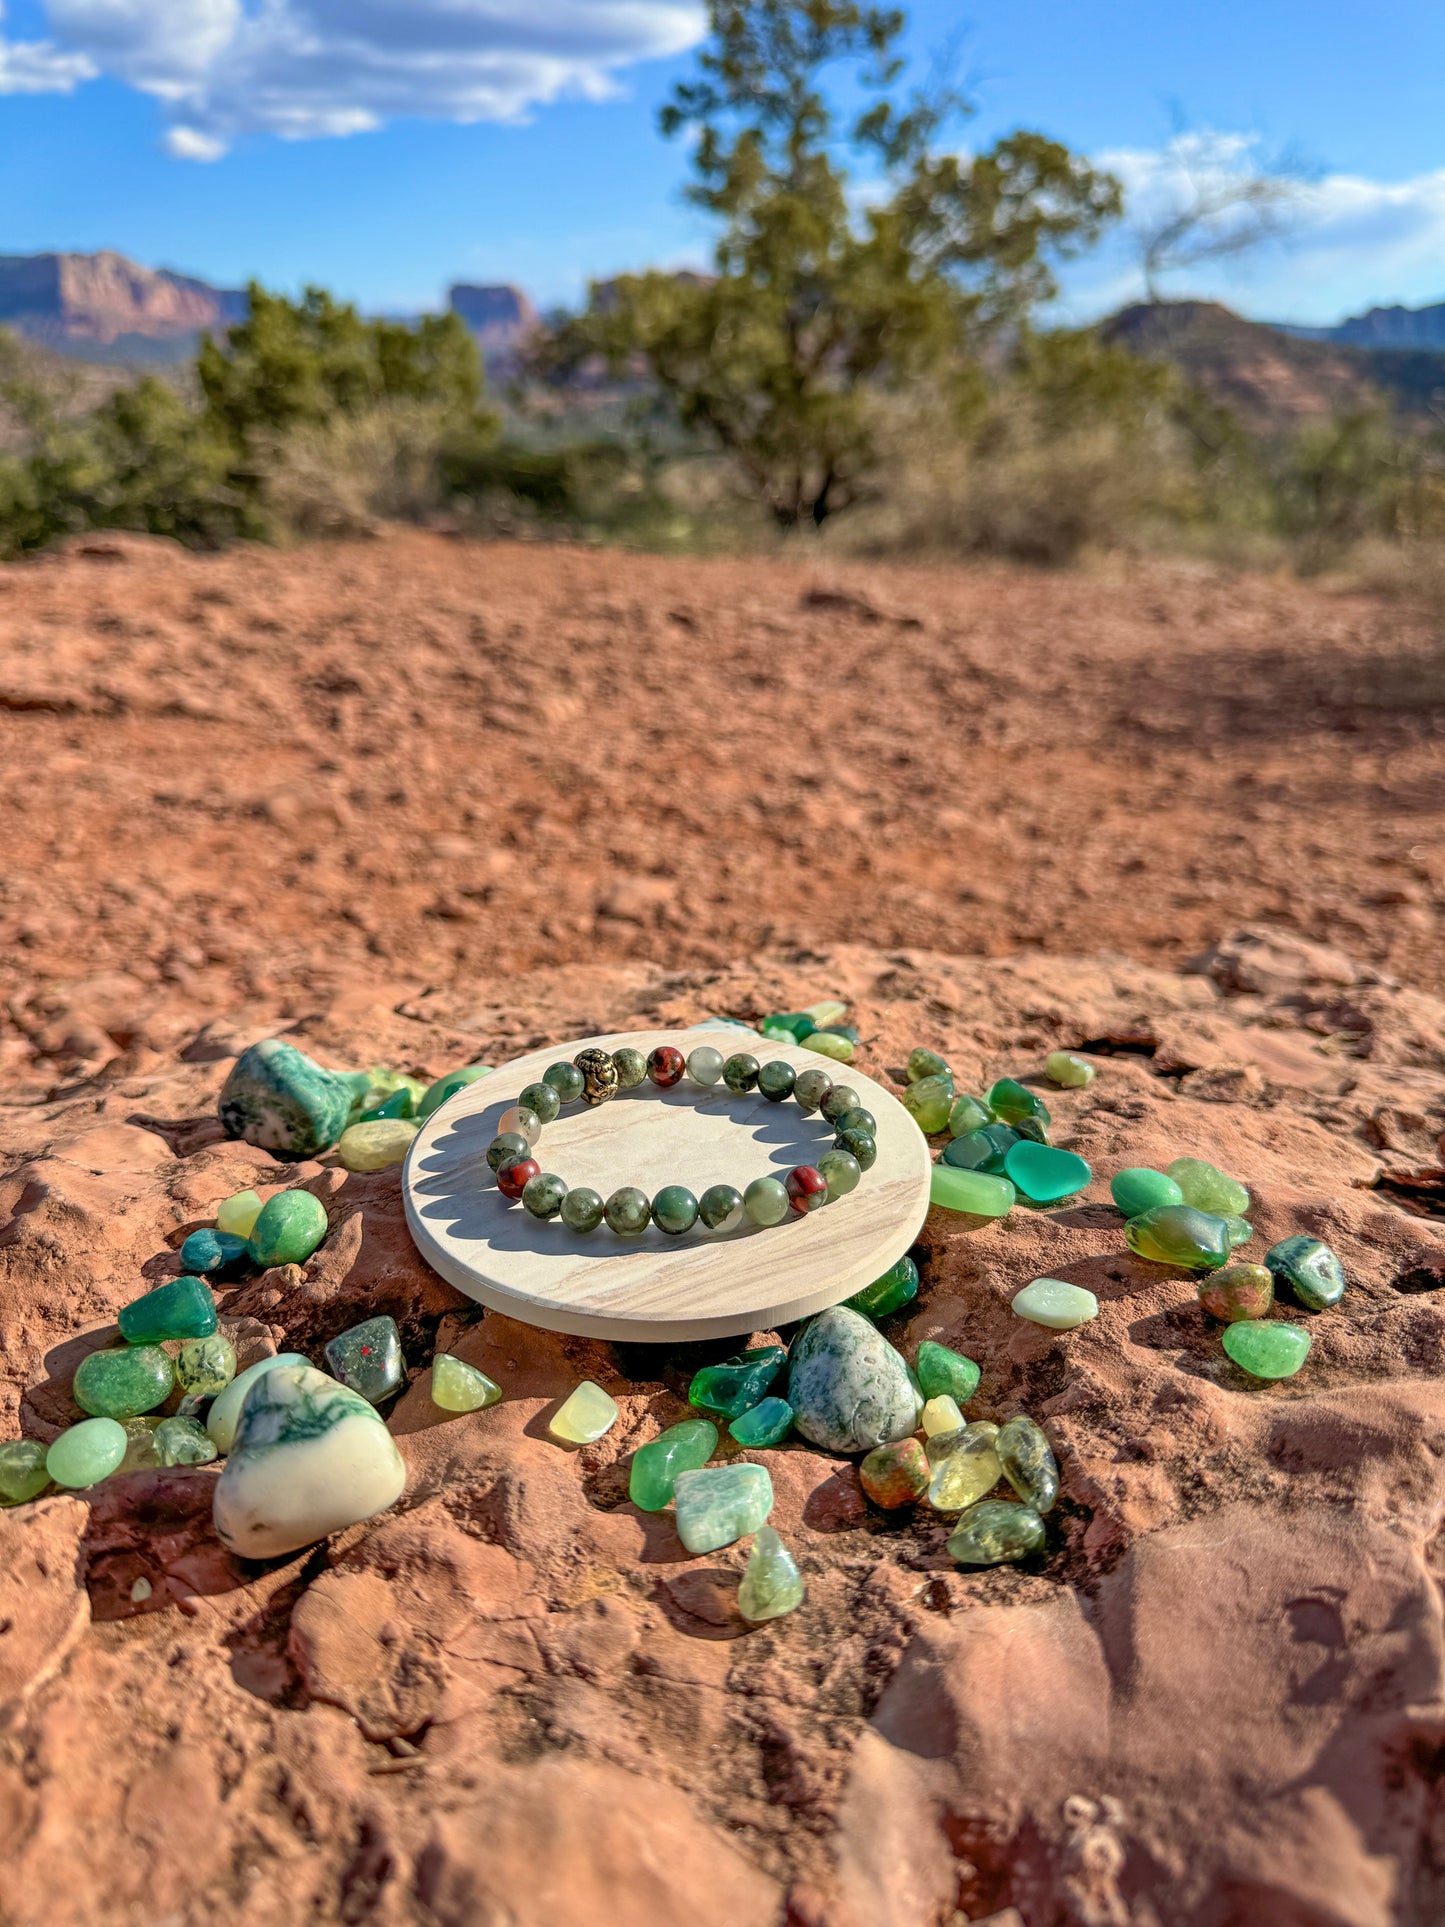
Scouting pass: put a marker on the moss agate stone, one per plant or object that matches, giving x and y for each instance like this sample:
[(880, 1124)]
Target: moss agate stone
[(895, 1474), (721, 1208), (628, 1211), (375, 1144), (288, 1229), (809, 1090), (1267, 1349), (213, 1251), (929, 1102), (995, 1533), (768, 1423), (582, 1208), (1239, 1291), (1311, 1270), (237, 1214), (542, 1098), (222, 1419), (206, 1366), (766, 1201), (584, 1415), (963, 1466), (181, 1441), (939, 1370), (124, 1382), (184, 1308), (435, 1095), (459, 1387), (849, 1389), (674, 1210), (1177, 1234), (740, 1072), (896, 1288), (22, 1471), (771, 1583), (861, 1146), (543, 1195), (1067, 1069), (569, 1081), (367, 1358), (1055, 1304), (310, 1457), (1028, 1462), (277, 1098), (976, 1192), (776, 1080), (840, 1171), (655, 1466), (926, 1063), (1009, 1101), (1138, 1189), (507, 1147), (86, 1453), (1043, 1173), (718, 1504), (739, 1383), (630, 1066)]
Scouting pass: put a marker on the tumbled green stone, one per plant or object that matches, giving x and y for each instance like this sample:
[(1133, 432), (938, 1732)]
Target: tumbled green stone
[(1139, 1189), (740, 1072), (541, 1099), (566, 1080), (224, 1416), (1311, 1270), (796, 1023), (1044, 1173), (1208, 1189), (968, 1114), (655, 1466), (841, 1172), (941, 1414), (205, 1366), (674, 1210), (367, 1358), (717, 1504), (180, 1441), (897, 1287), (277, 1098), (459, 1387), (1055, 1304), (140, 1444), (895, 1474), (1009, 1100), (1267, 1349), (776, 1080), (771, 1583), (839, 1101), (582, 1208), (981, 1150), (766, 1424), (1177, 1234), (973, 1191), (849, 1388), (926, 1063), (86, 1453), (1067, 1068), (861, 1146), (738, 1383), (941, 1372), (1028, 1462), (386, 1093), (831, 1043), (1240, 1232), (290, 1227), (184, 1308), (995, 1532), (584, 1415), (376, 1144), (437, 1094), (1032, 1128), (544, 1195), (22, 1471), (809, 1090), (1239, 1291), (507, 1148), (964, 1465), (400, 1105), (827, 1011), (766, 1201), (213, 1251), (928, 1102), (121, 1383), (721, 1207)]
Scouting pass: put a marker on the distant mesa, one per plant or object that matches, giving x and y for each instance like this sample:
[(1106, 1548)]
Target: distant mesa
[(89, 303), (1384, 328), (500, 318)]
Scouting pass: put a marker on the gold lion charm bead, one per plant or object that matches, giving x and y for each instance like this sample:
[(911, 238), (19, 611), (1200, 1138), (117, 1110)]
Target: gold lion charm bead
[(599, 1075)]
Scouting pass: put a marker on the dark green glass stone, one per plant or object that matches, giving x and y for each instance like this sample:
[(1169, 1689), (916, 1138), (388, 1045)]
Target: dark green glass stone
[(1010, 1100), (401, 1103), (776, 1080), (995, 1532), (540, 1099), (124, 1382), (1311, 1270), (1177, 1234), (368, 1358), (567, 1081), (582, 1208), (766, 1424), (721, 1207), (1028, 1462), (543, 1195), (184, 1308), (655, 1466), (796, 1022), (941, 1372), (839, 1101), (738, 1383), (1031, 1128), (982, 1150), (740, 1072), (897, 1287), (506, 1149), (212, 1251), (674, 1210), (861, 1145)]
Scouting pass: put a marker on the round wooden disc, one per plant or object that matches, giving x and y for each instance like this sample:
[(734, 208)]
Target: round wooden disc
[(655, 1288)]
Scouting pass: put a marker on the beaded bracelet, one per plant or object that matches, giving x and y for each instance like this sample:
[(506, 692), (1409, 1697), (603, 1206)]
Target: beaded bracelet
[(595, 1076)]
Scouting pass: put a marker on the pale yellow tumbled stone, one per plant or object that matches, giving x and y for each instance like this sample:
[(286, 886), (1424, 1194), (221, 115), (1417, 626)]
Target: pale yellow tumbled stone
[(585, 1415), (379, 1142), (829, 1011), (970, 1470), (941, 1414), (238, 1214), (1056, 1304)]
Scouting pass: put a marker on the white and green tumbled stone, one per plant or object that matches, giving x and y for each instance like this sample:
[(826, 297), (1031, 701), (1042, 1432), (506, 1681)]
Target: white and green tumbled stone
[(1067, 1069), (181, 1441), (222, 1418), (849, 1389), (206, 1366), (1055, 1304), (278, 1098), (771, 1583), (1311, 1270), (716, 1504)]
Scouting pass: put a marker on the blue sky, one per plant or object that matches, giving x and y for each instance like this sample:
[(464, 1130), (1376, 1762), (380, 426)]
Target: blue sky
[(388, 147)]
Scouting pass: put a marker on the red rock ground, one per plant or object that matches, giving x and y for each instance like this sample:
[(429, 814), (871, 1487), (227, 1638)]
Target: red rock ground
[(419, 803)]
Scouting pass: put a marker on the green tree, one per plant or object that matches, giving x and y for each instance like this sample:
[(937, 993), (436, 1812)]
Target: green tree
[(829, 290)]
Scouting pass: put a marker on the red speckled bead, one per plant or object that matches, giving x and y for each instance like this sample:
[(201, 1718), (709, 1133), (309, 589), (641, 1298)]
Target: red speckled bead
[(666, 1065), (513, 1178), (807, 1188)]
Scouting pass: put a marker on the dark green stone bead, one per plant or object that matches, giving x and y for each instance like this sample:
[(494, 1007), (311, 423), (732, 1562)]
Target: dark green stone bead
[(840, 1170), (566, 1080), (740, 1072), (841, 1099), (941, 1372), (776, 1080), (628, 1211), (401, 1103), (124, 1382), (543, 1195), (860, 1145), (631, 1067), (208, 1251), (184, 1308), (1028, 1462), (582, 1208), (674, 1210), (857, 1119), (738, 1383), (540, 1099), (1010, 1100), (810, 1089), (368, 1358), (507, 1149), (897, 1287), (1311, 1270), (655, 1466), (721, 1207), (766, 1424), (994, 1533)]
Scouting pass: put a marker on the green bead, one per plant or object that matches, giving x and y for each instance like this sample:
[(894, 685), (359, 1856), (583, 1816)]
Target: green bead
[(1240, 1232), (87, 1453), (1011, 1100), (837, 1104), (582, 1208), (1239, 1291), (771, 1583), (1045, 1174), (941, 1372), (120, 1383), (184, 1308), (857, 1119), (705, 1065), (1267, 1349), (830, 1043), (22, 1471), (1177, 1234), (810, 1089), (290, 1227), (566, 1080), (776, 1080), (277, 1098), (1208, 1189), (983, 1150), (459, 1387), (1028, 1462), (861, 1146), (628, 1211), (1138, 1189), (926, 1063), (206, 1366), (897, 1287), (976, 1192), (655, 1466), (928, 1102), (841, 1170), (437, 1094), (1066, 1068), (367, 1358), (507, 1149), (968, 1114), (766, 1201), (717, 1504), (766, 1424), (994, 1533), (181, 1441), (631, 1067), (738, 1383), (674, 1210), (541, 1100), (721, 1207), (1311, 1270), (543, 1195), (740, 1072)]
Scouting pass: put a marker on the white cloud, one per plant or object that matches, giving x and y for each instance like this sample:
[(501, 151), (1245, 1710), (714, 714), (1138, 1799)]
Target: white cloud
[(40, 67), (304, 69)]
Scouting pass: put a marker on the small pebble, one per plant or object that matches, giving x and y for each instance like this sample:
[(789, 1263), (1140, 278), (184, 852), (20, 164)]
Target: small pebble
[(207, 1251), (1178, 1234), (86, 1453), (926, 1063), (737, 1384), (828, 1043), (1311, 1270), (929, 1102), (182, 1308), (1009, 1101), (1055, 1304), (976, 1192), (940, 1370), (1028, 1462), (1068, 1069), (655, 1466), (288, 1229), (1208, 1189), (206, 1366), (125, 1381), (22, 1471), (1043, 1173), (181, 1441), (584, 1415), (1266, 1349), (1237, 1292), (965, 1465), (368, 1358), (715, 1505), (437, 1094), (897, 1287), (994, 1533)]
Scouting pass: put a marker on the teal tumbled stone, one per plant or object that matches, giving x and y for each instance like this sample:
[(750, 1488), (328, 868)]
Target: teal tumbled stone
[(738, 1383), (86, 1453), (124, 1382), (674, 1210), (655, 1466), (766, 1424), (771, 1584), (897, 1287), (1266, 1348), (290, 1227), (277, 1098), (1138, 1189), (1311, 1270), (717, 1504), (367, 1358), (184, 1308), (945, 1373), (981, 1150), (1043, 1173), (1010, 1100), (213, 1251)]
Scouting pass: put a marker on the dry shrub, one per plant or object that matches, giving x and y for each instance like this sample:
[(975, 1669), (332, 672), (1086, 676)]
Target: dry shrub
[(343, 476)]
